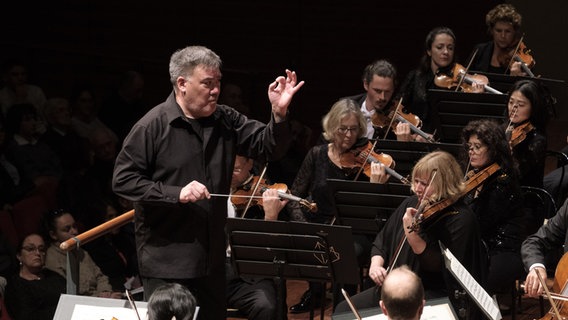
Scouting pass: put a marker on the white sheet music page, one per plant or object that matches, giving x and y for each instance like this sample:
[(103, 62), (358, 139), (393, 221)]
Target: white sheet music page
[(480, 296)]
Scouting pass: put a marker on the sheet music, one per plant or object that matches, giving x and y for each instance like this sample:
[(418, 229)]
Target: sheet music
[(480, 296), (85, 312), (435, 312)]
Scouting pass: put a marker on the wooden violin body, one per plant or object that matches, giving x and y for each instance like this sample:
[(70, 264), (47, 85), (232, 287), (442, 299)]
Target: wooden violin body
[(250, 193), (459, 79), (520, 53), (395, 115), (519, 133), (362, 157)]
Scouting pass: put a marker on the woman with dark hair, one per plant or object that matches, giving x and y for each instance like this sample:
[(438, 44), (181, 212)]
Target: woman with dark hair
[(33, 293), (497, 203), (528, 112)]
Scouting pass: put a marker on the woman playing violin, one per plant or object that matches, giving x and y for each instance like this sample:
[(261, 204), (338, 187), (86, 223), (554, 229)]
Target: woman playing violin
[(497, 202), (456, 227), (344, 127), (439, 48), (503, 24), (528, 112)]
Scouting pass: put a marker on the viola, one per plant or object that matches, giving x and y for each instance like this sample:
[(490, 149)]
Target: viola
[(392, 116), (458, 78), (362, 157), (559, 309), (253, 189), (520, 53), (519, 133), (433, 212)]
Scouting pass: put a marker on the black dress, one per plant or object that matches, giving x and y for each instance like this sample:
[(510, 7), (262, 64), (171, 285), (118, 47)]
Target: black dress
[(34, 299)]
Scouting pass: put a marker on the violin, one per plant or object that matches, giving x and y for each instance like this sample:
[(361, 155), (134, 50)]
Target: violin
[(519, 133), (362, 157), (458, 78), (520, 53), (433, 212), (244, 194), (391, 118)]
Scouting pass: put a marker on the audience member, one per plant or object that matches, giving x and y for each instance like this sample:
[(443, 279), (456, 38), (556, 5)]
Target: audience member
[(85, 111), (402, 295), (124, 106), (171, 301), (35, 160), (71, 149), (17, 90), (59, 227), (33, 293)]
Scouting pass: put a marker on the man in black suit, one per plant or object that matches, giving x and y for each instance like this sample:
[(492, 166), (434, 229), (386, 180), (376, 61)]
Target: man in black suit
[(550, 236)]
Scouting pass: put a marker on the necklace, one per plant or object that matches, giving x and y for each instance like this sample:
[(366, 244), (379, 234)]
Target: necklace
[(30, 276)]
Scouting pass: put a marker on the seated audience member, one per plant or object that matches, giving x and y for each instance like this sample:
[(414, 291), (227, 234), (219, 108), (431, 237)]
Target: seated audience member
[(171, 301), (60, 226), (33, 293), (85, 111), (402, 295), (71, 148), (35, 160), (550, 236), (17, 89)]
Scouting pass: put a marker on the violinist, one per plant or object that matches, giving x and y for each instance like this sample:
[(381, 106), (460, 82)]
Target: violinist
[(379, 80), (344, 128), (438, 56), (254, 297), (503, 25), (497, 204), (535, 249), (528, 112), (456, 227)]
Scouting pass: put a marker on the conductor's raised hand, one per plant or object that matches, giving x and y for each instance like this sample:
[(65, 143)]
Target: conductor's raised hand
[(193, 191), (280, 93)]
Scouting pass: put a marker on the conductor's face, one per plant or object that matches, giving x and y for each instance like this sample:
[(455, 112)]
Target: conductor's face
[(198, 93)]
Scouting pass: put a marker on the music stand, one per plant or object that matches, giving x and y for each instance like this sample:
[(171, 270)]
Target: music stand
[(292, 250), (365, 206), (456, 109), (407, 153), (504, 82)]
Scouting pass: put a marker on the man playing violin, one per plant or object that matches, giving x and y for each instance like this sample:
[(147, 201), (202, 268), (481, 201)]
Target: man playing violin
[(435, 177), (503, 24), (253, 297)]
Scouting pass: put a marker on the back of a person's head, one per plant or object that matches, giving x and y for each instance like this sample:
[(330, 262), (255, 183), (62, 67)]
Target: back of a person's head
[(171, 300), (402, 294)]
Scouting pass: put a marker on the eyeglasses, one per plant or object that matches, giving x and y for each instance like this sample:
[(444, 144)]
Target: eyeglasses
[(344, 130), (476, 147), (30, 249)]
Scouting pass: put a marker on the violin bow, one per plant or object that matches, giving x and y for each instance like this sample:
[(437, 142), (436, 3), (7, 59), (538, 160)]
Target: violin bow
[(548, 295), (419, 206), (514, 53), (366, 159), (462, 78), (254, 190), (392, 118)]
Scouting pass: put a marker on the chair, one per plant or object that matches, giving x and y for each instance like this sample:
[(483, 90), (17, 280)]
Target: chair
[(554, 181), (542, 206)]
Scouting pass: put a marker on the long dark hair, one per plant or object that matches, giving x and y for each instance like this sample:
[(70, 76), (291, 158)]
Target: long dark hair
[(426, 59), (541, 101)]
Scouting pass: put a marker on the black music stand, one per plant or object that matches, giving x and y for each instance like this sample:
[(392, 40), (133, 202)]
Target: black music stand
[(406, 153), (456, 109), (365, 206), (504, 82), (292, 250)]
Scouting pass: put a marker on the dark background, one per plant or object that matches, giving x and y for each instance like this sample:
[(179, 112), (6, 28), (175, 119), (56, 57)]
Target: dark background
[(328, 43)]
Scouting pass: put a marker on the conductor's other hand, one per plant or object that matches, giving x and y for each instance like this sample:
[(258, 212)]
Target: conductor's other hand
[(192, 192), (280, 93)]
